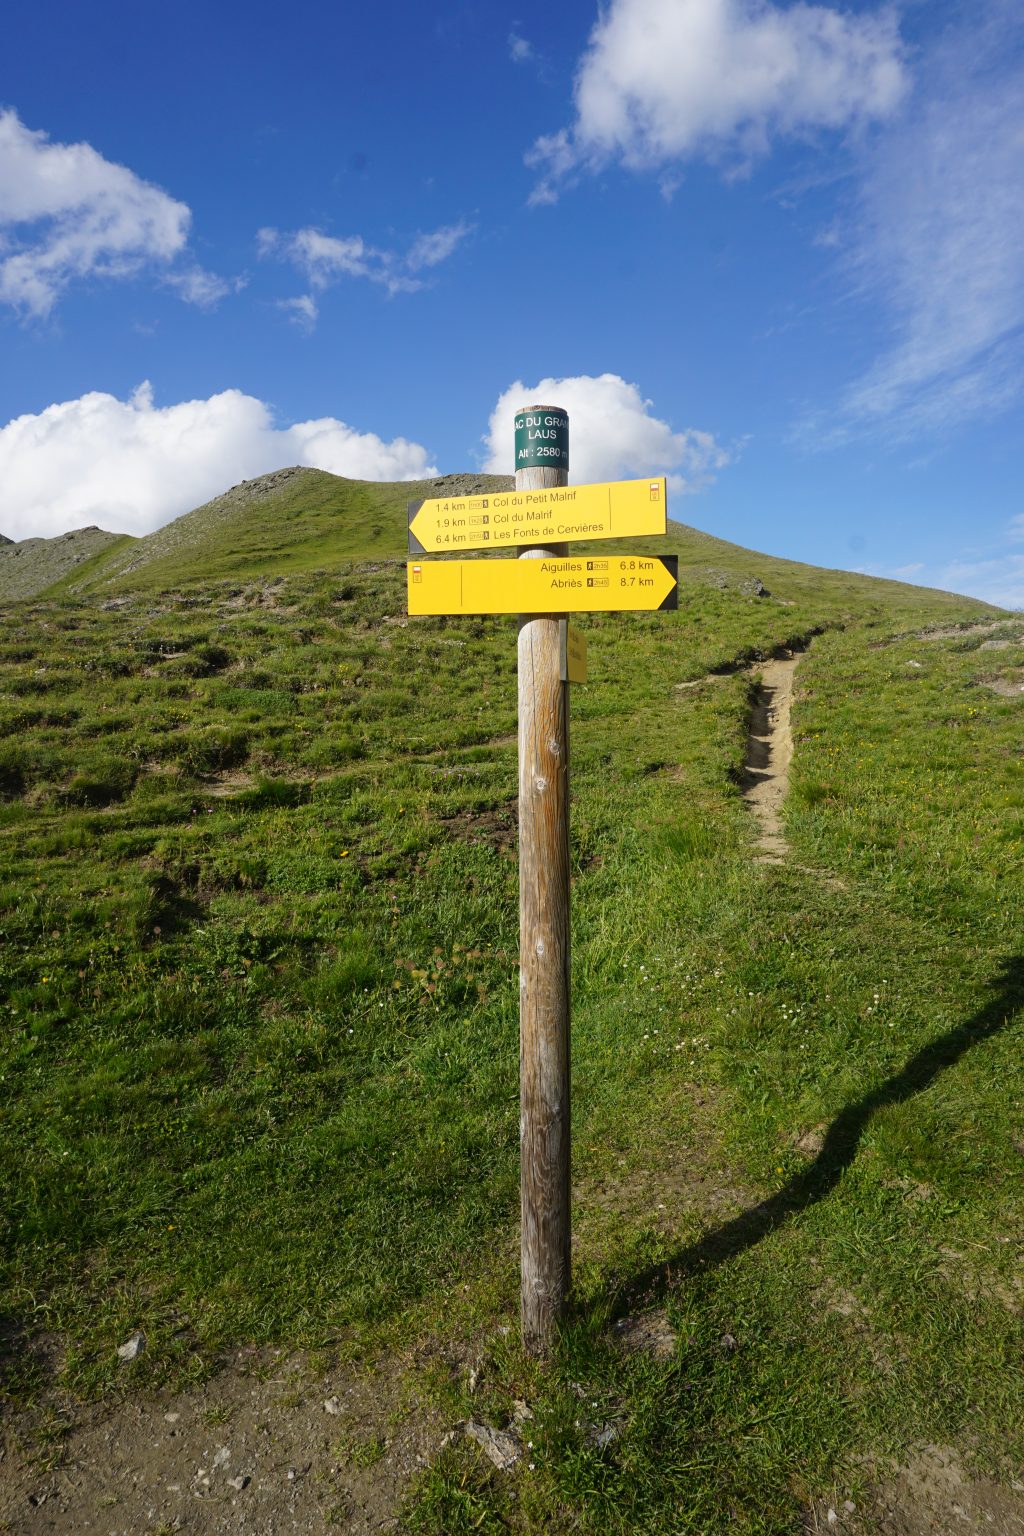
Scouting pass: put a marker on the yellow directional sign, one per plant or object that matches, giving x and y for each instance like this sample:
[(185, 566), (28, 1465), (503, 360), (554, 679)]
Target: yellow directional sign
[(603, 585), (619, 509), (573, 643)]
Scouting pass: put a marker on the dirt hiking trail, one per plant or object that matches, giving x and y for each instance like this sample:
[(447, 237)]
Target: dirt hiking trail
[(769, 754)]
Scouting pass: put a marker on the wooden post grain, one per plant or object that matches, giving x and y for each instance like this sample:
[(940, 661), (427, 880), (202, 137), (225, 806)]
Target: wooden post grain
[(543, 959)]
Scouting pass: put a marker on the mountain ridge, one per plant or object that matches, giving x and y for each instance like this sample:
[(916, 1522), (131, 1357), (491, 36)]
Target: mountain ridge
[(297, 520)]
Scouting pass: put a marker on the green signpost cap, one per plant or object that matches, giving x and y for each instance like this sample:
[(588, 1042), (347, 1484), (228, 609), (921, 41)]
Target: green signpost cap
[(542, 437)]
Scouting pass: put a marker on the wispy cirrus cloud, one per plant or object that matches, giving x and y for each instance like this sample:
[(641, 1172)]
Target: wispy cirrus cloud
[(431, 249), (665, 81), (524, 53), (520, 50), (68, 215), (302, 310), (328, 259), (936, 237), (998, 579), (992, 571)]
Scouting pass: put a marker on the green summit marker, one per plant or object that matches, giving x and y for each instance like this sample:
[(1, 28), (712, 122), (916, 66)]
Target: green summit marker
[(542, 438)]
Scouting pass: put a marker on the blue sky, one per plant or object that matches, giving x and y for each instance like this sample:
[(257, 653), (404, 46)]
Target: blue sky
[(774, 251)]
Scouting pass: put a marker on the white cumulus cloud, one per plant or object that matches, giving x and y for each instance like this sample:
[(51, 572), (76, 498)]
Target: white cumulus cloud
[(669, 80), (612, 433), (130, 465), (66, 213)]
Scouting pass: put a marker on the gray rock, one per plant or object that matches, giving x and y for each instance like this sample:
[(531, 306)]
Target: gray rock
[(132, 1348), (600, 1436), (501, 1446)]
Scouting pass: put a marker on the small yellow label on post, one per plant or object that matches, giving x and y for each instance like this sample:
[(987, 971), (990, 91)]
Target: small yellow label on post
[(574, 653)]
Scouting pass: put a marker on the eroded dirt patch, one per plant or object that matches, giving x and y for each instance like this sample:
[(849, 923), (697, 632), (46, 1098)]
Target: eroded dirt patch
[(264, 1447), (1008, 687), (931, 1495), (496, 828), (963, 631)]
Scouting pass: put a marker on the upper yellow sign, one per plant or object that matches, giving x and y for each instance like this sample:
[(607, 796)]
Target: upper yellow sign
[(619, 509), (584, 585)]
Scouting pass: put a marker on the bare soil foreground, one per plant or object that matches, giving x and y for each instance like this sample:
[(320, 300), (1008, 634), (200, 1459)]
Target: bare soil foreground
[(930, 1496), (265, 1447)]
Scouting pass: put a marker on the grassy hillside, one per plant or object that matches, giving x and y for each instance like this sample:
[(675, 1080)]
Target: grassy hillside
[(33, 565), (290, 522), (259, 1009), (298, 522)]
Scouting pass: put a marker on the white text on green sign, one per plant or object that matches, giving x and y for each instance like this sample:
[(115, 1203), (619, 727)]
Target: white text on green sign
[(617, 509), (609, 584)]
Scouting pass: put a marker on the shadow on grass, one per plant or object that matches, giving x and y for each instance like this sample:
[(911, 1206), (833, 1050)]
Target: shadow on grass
[(27, 1362), (838, 1151)]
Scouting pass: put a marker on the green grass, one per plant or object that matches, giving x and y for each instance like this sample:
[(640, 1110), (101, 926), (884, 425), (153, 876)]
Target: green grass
[(259, 1013), (265, 528)]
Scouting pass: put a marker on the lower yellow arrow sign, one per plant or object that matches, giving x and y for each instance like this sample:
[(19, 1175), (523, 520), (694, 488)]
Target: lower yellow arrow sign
[(608, 584)]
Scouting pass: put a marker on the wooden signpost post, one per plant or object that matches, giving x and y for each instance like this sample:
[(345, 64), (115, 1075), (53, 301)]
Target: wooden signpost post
[(544, 976), (543, 586)]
